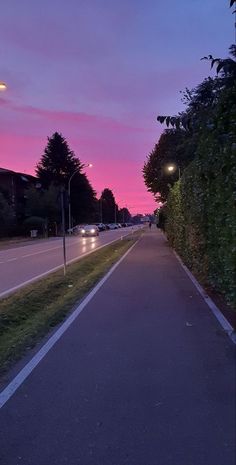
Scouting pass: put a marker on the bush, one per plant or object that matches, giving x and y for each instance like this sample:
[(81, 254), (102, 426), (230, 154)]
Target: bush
[(34, 222), (201, 219)]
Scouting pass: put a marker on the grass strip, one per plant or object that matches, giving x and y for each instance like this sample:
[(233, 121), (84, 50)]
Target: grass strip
[(29, 314)]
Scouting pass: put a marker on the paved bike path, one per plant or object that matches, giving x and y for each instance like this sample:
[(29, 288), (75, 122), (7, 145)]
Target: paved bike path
[(144, 376)]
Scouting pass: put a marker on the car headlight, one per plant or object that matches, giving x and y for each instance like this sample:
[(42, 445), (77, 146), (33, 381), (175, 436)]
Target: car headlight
[(83, 231), (93, 231)]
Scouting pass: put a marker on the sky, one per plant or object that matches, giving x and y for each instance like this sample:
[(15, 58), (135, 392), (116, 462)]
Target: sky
[(99, 72)]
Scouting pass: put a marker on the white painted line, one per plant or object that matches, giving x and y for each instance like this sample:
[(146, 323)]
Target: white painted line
[(52, 270), (215, 310), (11, 260), (40, 251), (38, 242), (11, 388)]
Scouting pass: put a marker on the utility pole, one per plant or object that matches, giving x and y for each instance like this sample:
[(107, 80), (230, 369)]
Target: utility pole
[(78, 170), (69, 195), (62, 193), (100, 210)]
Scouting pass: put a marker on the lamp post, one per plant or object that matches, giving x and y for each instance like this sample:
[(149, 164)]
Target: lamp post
[(69, 183), (62, 195), (101, 210), (115, 212)]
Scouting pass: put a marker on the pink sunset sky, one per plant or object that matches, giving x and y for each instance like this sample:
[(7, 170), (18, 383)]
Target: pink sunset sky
[(99, 72)]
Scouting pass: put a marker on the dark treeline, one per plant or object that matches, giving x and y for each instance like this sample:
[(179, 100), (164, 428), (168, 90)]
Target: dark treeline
[(36, 204)]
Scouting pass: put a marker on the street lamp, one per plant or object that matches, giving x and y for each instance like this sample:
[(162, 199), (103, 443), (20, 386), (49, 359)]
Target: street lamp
[(3, 86), (89, 165), (172, 168)]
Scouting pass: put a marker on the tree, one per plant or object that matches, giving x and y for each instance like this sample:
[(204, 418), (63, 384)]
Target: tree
[(210, 109), (173, 147), (56, 167), (83, 199), (137, 219), (108, 206), (205, 96), (58, 162), (44, 203), (124, 215)]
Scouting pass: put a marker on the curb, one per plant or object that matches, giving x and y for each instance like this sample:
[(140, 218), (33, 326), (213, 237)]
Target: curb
[(25, 372), (229, 330)]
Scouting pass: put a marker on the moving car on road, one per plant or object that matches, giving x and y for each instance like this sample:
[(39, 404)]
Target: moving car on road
[(89, 230)]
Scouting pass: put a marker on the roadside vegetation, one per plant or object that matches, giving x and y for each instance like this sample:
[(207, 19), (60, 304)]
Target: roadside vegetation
[(198, 212), (29, 314), (37, 203)]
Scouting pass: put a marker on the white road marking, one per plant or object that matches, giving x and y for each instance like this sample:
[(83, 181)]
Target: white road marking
[(56, 268), (68, 243), (12, 387), (40, 251), (11, 260), (2, 251), (215, 310)]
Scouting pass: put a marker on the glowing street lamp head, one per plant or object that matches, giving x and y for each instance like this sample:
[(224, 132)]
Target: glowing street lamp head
[(90, 165), (3, 86), (171, 168)]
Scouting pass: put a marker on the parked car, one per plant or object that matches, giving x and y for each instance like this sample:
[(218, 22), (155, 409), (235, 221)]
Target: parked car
[(89, 230), (101, 226), (113, 226), (75, 230)]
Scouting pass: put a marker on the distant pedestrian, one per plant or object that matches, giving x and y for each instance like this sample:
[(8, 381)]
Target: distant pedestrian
[(150, 224)]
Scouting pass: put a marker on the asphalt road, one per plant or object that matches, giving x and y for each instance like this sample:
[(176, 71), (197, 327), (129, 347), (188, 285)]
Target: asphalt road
[(19, 265), (144, 376)]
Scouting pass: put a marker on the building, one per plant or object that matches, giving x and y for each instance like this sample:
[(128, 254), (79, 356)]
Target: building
[(14, 187)]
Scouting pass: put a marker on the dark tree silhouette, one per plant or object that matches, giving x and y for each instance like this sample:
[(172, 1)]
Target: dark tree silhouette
[(169, 150), (57, 165), (108, 206), (58, 162), (124, 215)]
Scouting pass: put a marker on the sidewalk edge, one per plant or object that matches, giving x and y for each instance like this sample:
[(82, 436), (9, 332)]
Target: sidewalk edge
[(213, 307), (57, 268), (18, 380)]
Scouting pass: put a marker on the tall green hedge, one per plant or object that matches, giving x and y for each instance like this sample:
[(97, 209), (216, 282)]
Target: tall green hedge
[(201, 217)]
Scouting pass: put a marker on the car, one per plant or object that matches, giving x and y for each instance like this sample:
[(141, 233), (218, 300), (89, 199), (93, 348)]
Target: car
[(113, 226), (75, 230), (89, 230), (101, 226)]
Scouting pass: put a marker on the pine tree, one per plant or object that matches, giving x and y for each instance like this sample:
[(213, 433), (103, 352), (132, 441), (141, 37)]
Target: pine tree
[(57, 165), (58, 162), (108, 206)]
